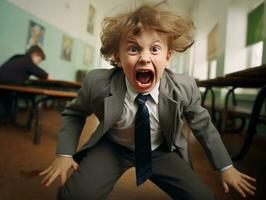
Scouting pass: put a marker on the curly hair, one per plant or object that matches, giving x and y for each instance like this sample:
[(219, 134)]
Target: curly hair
[(178, 30)]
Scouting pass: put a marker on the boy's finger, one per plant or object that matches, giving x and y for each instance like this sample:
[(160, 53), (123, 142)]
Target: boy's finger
[(51, 179), (63, 178), (246, 189), (226, 189), (75, 166), (252, 187), (48, 176), (240, 191), (249, 178), (44, 180), (45, 171)]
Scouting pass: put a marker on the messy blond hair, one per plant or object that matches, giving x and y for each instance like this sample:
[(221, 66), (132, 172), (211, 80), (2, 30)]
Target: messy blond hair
[(178, 30)]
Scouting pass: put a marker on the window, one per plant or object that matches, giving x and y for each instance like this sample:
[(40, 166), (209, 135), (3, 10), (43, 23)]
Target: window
[(255, 25)]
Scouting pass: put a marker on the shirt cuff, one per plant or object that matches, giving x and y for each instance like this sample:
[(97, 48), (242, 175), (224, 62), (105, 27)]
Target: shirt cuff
[(225, 168), (64, 155)]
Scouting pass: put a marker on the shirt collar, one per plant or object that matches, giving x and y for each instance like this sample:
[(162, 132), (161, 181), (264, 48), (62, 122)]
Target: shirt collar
[(132, 93)]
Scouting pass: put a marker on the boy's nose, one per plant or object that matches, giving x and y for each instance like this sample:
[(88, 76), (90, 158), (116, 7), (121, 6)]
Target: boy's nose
[(144, 59)]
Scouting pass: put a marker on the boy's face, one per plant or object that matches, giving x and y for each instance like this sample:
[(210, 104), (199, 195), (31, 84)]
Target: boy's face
[(36, 58), (143, 58)]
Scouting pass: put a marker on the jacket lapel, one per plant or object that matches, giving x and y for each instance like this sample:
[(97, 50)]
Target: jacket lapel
[(168, 111), (113, 104)]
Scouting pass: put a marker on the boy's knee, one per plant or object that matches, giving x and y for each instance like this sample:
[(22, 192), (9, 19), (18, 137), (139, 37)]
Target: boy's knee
[(205, 194), (65, 193)]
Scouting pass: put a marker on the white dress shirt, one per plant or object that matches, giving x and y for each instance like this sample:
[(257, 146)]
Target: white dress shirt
[(123, 132)]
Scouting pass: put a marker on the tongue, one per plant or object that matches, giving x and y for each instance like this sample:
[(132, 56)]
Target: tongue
[(143, 77)]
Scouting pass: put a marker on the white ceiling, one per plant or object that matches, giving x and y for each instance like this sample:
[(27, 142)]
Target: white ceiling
[(182, 7)]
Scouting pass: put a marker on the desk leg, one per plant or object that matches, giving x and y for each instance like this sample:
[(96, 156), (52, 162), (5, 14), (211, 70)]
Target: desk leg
[(31, 114), (225, 111), (37, 134), (251, 131), (204, 96), (13, 110), (213, 113)]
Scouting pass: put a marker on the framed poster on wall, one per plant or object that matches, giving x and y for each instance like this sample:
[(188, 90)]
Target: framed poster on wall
[(91, 19), (66, 50), (213, 43), (88, 55), (35, 34)]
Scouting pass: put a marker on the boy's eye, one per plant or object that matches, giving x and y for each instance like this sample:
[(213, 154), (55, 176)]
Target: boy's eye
[(133, 50), (155, 49)]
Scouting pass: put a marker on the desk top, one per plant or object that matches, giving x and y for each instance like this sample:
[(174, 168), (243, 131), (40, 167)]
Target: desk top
[(258, 72), (38, 91), (244, 82), (53, 83)]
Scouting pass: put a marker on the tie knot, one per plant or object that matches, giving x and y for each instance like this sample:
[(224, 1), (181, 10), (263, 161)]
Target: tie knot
[(141, 99)]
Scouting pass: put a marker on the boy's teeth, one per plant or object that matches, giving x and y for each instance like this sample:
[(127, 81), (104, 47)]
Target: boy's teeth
[(143, 70)]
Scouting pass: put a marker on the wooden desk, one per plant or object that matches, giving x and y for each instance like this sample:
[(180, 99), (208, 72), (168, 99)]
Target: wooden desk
[(258, 72), (46, 94), (52, 84), (249, 78), (37, 91), (228, 81)]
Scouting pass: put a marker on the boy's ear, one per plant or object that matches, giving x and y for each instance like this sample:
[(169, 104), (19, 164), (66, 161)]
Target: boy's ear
[(117, 59), (169, 55), (116, 56)]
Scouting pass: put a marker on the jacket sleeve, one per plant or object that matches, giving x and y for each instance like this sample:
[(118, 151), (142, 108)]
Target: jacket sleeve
[(199, 120), (35, 70), (73, 119)]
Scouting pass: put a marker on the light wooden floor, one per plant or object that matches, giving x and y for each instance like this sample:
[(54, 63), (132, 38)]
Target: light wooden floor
[(20, 158)]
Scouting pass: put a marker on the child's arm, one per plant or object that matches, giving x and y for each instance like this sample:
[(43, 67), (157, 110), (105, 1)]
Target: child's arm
[(73, 120), (199, 121), (239, 181), (59, 168)]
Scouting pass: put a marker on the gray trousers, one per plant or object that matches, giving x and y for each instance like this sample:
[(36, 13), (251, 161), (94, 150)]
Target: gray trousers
[(102, 165)]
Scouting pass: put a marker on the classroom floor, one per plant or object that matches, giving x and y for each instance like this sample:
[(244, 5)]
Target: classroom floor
[(20, 159)]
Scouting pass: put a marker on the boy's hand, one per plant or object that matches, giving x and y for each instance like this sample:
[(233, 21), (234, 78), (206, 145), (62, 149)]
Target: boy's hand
[(59, 167), (239, 181)]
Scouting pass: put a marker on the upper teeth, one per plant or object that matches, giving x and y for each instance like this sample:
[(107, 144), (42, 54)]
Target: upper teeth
[(144, 70)]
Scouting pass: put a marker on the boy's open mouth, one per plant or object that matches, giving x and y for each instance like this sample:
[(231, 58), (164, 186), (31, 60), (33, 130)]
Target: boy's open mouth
[(144, 77)]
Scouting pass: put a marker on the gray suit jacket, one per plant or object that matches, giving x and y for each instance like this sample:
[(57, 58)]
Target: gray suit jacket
[(103, 93)]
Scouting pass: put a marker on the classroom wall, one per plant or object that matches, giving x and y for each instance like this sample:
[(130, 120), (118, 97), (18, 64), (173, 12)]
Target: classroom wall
[(231, 15), (70, 17), (14, 22), (205, 15), (238, 55), (235, 42)]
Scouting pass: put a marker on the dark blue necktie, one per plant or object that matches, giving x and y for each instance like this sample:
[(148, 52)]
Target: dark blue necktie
[(143, 161)]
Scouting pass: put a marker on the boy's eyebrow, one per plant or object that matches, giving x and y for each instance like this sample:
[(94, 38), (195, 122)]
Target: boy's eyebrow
[(131, 40), (156, 40)]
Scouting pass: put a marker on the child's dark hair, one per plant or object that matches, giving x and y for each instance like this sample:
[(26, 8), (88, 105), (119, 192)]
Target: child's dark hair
[(178, 30), (37, 50)]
